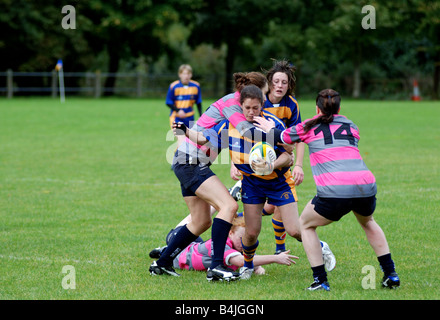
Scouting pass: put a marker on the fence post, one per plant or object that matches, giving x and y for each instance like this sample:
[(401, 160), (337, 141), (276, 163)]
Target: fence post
[(54, 84), (97, 84), (10, 84), (139, 84)]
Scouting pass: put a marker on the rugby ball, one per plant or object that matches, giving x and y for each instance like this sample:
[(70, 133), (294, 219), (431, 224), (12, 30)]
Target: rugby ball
[(262, 150)]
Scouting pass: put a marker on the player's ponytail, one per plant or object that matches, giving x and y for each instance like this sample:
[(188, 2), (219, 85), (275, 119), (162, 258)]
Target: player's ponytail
[(328, 101), (242, 79)]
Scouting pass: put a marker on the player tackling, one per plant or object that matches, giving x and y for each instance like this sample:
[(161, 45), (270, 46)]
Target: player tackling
[(343, 183)]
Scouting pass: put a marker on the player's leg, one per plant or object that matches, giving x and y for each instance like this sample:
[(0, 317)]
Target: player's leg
[(309, 221), (215, 193), (252, 217), (376, 238), (289, 216), (279, 231), (200, 222)]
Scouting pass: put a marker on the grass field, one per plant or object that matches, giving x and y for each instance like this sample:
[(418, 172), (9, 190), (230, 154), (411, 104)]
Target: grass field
[(87, 184)]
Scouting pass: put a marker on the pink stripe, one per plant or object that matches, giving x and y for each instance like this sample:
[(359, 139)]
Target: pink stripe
[(220, 104), (236, 118), (286, 133), (345, 178), (334, 154), (206, 121), (204, 148)]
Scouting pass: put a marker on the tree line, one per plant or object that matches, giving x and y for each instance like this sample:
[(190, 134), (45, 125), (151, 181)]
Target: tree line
[(324, 39)]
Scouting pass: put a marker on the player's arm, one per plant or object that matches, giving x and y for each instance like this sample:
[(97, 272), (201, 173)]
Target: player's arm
[(260, 260), (298, 172), (172, 107), (283, 160)]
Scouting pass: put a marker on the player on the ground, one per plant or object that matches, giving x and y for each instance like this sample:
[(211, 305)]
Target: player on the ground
[(198, 255), (343, 183)]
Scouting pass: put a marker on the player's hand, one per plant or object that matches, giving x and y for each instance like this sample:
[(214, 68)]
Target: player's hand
[(298, 175), (260, 165), (179, 129), (259, 270), (286, 258), (264, 124), (235, 173)]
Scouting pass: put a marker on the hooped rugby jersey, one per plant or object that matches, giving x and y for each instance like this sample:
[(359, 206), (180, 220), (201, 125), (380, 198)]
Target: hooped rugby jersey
[(228, 108), (198, 256), (337, 166), (184, 96), (225, 135), (287, 110)]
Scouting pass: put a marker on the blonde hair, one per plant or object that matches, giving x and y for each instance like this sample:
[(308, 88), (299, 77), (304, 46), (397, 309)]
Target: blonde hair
[(184, 67)]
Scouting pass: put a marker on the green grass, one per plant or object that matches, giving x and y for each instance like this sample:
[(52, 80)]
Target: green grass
[(87, 184)]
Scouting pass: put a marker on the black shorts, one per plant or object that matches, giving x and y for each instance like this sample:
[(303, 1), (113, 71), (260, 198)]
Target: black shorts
[(191, 176), (335, 208)]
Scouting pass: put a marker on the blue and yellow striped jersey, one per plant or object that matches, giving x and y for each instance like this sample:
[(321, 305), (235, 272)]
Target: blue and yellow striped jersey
[(287, 110), (239, 146), (183, 97)]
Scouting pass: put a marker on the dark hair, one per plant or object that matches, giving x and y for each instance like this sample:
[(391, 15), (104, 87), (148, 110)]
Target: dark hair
[(251, 92), (286, 67), (242, 79), (328, 101)]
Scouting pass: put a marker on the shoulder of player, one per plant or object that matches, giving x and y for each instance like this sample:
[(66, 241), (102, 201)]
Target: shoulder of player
[(194, 83), (174, 84), (269, 115), (292, 101)]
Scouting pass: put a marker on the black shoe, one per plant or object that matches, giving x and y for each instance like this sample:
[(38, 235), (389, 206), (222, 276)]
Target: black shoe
[(280, 251), (391, 281), (155, 270), (155, 253), (221, 273), (319, 286)]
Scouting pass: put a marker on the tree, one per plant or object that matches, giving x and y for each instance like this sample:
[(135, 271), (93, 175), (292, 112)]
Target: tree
[(230, 22), (126, 28)]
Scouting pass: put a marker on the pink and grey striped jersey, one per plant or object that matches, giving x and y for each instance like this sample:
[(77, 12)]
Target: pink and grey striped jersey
[(227, 107), (337, 166), (198, 256)]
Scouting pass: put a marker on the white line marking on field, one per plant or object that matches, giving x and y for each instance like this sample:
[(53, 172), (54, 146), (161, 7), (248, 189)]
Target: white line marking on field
[(120, 183), (61, 260)]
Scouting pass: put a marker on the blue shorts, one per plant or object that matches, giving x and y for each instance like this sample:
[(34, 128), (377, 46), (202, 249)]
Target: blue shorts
[(335, 208), (191, 176), (277, 192)]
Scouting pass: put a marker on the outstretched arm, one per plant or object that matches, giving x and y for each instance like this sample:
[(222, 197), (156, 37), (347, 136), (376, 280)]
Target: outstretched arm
[(261, 260), (179, 128)]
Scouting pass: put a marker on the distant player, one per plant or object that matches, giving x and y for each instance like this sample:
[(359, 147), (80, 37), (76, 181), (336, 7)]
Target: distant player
[(181, 97), (343, 183), (198, 255)]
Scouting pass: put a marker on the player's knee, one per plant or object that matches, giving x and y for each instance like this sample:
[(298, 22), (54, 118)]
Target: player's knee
[(295, 233), (231, 207), (206, 224)]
